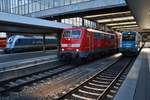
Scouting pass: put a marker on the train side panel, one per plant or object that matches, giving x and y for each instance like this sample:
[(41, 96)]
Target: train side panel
[(21, 43), (86, 44)]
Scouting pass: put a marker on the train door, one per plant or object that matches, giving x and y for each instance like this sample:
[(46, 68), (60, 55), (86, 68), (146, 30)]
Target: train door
[(95, 41), (89, 38)]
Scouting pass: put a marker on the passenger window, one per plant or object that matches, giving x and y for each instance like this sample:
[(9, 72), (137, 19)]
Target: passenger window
[(95, 35), (109, 37), (98, 36), (112, 37), (105, 36), (101, 36), (19, 40)]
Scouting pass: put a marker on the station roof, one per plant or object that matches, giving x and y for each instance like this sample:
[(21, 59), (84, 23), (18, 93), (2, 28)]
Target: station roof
[(22, 24), (112, 14), (141, 10), (85, 7), (118, 17)]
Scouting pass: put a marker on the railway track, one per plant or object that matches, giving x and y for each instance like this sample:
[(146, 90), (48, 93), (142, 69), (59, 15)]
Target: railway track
[(16, 84), (103, 85)]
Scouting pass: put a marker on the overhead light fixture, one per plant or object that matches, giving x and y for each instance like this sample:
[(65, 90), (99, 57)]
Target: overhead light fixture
[(116, 19), (128, 26), (122, 23), (104, 20), (108, 14), (128, 29), (146, 26)]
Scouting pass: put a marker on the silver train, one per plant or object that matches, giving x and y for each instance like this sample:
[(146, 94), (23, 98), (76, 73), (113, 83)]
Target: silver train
[(18, 43)]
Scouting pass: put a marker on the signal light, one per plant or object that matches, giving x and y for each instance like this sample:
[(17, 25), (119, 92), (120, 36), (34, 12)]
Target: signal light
[(77, 50), (62, 49)]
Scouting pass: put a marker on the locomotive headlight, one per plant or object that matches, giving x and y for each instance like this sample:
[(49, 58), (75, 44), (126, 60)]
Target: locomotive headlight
[(120, 45), (77, 50), (62, 49), (136, 45)]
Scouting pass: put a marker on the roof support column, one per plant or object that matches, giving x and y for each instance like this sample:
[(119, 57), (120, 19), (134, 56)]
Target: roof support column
[(103, 27), (44, 42), (83, 22), (58, 39)]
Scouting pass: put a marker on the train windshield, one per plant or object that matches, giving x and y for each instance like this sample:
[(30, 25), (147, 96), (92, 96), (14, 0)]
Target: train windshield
[(10, 40), (128, 37), (72, 34)]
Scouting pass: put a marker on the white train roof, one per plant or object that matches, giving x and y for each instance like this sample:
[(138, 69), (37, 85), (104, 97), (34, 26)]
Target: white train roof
[(93, 30), (34, 37)]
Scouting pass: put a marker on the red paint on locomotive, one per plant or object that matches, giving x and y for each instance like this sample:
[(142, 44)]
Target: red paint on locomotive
[(83, 42), (3, 42)]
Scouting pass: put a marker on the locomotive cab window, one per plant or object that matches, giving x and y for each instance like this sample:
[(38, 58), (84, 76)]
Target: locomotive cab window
[(72, 34), (19, 41), (10, 40), (128, 37)]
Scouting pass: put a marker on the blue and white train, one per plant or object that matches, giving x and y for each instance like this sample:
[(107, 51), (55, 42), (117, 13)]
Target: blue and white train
[(18, 43), (130, 43)]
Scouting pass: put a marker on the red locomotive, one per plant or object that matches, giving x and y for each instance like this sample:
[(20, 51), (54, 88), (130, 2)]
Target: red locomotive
[(3, 40), (84, 43)]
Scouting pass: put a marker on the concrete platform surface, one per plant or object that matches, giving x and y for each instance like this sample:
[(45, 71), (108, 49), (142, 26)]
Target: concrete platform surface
[(137, 83), (25, 62), (25, 55), (1, 51)]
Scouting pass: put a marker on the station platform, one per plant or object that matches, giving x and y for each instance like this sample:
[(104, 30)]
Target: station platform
[(136, 86), (12, 61), (1, 51), (25, 55)]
